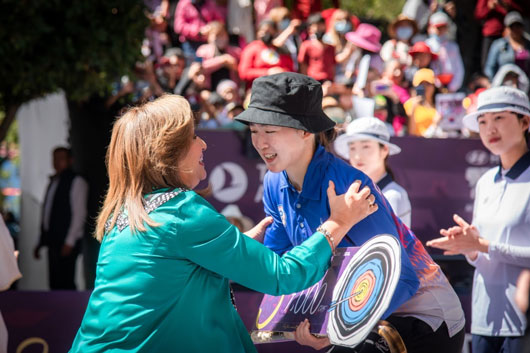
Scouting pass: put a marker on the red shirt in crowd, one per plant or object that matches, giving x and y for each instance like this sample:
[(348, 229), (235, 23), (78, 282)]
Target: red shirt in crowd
[(318, 58), (493, 18), (257, 58)]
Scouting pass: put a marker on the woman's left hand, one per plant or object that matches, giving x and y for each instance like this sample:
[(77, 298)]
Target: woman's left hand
[(258, 232), (461, 239), (306, 338)]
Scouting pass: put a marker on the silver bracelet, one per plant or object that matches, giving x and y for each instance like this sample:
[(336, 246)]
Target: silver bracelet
[(328, 235)]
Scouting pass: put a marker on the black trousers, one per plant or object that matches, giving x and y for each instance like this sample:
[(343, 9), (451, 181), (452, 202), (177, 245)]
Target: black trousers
[(61, 269), (417, 336)]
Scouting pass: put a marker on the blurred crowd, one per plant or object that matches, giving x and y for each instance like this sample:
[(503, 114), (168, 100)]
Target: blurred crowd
[(409, 73)]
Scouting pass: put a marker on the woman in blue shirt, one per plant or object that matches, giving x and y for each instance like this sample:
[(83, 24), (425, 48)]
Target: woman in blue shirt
[(289, 131), (497, 242)]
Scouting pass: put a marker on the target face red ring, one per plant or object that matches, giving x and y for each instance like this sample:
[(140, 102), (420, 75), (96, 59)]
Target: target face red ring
[(364, 290)]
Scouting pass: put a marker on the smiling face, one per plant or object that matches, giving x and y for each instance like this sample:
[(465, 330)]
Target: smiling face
[(369, 157), (502, 132), (191, 168), (282, 148)]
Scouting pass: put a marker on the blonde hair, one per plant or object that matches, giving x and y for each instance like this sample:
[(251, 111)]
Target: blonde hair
[(146, 144)]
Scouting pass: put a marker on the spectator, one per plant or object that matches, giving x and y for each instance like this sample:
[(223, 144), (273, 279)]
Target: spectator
[(366, 145), (335, 112), (191, 20), (478, 80), (288, 32), (63, 220), (513, 48), (9, 273), (491, 13), (302, 9), (316, 58), (219, 58), (497, 242), (419, 11), (170, 69), (421, 109), (394, 94), (232, 110), (155, 34), (239, 21), (511, 75), (401, 31), (261, 57), (448, 52), (262, 9), (364, 53), (422, 58), (339, 24)]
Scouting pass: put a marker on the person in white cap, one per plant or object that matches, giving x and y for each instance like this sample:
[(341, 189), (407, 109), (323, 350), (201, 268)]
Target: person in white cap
[(497, 242), (366, 145), (447, 50)]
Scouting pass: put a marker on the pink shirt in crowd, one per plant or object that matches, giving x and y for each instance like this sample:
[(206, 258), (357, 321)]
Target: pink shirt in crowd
[(188, 20), (212, 63)]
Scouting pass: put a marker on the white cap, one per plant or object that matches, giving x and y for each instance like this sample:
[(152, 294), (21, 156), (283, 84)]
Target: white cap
[(438, 19), (498, 99), (367, 128)]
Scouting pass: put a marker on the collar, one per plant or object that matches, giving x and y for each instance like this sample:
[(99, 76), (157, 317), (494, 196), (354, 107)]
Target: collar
[(518, 168), (387, 179), (313, 175)]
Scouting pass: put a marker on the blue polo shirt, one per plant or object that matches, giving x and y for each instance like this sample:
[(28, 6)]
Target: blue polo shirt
[(298, 215)]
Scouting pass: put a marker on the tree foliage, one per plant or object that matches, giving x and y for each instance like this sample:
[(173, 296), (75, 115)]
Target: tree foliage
[(385, 10), (77, 46)]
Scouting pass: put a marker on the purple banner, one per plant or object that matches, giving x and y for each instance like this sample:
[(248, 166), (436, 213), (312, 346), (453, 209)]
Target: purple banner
[(438, 174)]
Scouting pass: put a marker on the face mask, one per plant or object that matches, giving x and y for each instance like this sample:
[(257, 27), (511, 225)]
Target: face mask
[(267, 38), (319, 35), (343, 27), (404, 32), (284, 24), (221, 43)]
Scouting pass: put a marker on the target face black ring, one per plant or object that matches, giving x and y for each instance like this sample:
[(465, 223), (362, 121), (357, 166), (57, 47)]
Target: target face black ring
[(364, 290)]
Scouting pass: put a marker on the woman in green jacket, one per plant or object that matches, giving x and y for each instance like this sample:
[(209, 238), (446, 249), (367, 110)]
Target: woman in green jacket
[(167, 255)]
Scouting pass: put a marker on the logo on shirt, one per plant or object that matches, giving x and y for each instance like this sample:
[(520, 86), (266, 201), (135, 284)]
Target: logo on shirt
[(282, 215), (270, 56)]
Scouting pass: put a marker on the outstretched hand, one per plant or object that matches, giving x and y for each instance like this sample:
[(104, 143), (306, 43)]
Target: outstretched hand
[(464, 238), (351, 207)]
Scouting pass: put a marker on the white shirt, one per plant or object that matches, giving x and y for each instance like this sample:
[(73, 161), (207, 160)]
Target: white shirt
[(502, 215), (78, 202), (397, 197), (449, 59)]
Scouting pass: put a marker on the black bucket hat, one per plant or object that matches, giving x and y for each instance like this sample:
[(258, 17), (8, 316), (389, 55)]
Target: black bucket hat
[(287, 99)]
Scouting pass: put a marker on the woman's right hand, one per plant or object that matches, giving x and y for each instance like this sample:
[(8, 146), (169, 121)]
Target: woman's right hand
[(348, 209)]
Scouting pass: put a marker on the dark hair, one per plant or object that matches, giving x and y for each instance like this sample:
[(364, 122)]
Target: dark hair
[(387, 167), (63, 149), (526, 133), (326, 138)]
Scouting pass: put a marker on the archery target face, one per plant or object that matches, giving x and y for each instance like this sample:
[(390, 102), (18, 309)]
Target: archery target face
[(364, 290)]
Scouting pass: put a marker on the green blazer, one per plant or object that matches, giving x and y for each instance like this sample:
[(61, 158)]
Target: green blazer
[(167, 290)]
